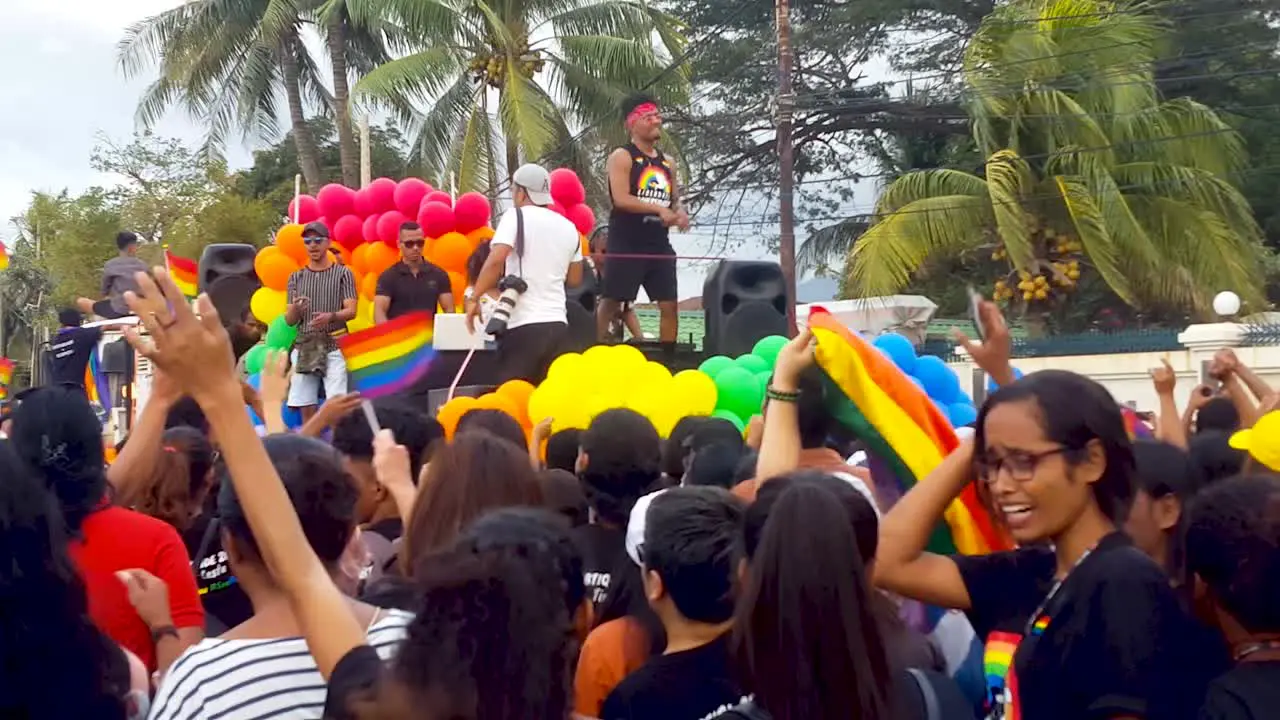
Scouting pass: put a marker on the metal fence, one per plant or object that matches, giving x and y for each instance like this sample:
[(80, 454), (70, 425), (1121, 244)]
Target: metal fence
[(1260, 335), (1104, 343)]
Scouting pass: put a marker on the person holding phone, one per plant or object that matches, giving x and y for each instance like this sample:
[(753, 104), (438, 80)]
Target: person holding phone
[(322, 298)]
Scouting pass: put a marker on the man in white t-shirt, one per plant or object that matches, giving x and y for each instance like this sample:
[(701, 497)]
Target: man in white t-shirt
[(547, 256)]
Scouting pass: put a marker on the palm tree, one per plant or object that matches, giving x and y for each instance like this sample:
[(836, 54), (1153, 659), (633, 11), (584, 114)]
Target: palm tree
[(544, 66), (1087, 170)]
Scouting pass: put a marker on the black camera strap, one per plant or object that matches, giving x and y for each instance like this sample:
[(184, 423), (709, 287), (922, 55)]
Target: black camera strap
[(519, 242)]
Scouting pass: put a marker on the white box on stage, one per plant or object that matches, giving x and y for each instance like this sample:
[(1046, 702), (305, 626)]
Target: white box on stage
[(451, 333)]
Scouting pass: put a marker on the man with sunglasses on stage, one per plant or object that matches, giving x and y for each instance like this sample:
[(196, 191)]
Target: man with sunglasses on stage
[(322, 298), (413, 283)]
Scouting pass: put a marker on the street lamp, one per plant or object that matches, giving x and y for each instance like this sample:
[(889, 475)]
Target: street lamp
[(1226, 304)]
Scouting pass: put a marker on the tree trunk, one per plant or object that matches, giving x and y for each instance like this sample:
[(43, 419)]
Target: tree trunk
[(308, 156), (347, 150)]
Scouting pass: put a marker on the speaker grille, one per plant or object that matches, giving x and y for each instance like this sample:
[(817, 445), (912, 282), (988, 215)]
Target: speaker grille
[(743, 302)]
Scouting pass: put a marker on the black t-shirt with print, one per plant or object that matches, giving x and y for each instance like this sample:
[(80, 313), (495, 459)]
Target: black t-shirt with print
[(687, 685), (1114, 641), (603, 549), (1250, 691), (225, 603)]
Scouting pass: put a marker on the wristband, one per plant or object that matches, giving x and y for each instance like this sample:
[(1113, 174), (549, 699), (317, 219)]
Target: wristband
[(163, 631), (781, 396)]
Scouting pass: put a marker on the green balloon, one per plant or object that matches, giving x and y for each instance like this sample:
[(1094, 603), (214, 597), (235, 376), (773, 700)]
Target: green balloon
[(764, 378), (753, 363), (730, 417), (280, 334), (712, 366), (739, 392), (768, 348), (255, 358)]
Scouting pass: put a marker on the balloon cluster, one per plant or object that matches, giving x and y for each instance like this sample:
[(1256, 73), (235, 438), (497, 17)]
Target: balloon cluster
[(512, 398), (365, 228), (933, 376), (279, 338), (569, 197), (741, 382)]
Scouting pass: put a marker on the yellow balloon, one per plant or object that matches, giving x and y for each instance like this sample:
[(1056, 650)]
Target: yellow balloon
[(695, 391), (567, 366), (626, 357), (356, 324), (267, 304), (651, 373), (543, 402), (571, 417)]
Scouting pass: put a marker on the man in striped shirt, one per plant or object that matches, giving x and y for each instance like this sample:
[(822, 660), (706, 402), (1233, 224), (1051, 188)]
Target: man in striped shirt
[(322, 298)]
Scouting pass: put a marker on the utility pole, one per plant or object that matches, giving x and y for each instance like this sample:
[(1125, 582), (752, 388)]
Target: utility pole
[(366, 153), (786, 160)]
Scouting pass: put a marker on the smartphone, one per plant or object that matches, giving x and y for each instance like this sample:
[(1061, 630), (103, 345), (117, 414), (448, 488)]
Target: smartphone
[(370, 416), (975, 311)]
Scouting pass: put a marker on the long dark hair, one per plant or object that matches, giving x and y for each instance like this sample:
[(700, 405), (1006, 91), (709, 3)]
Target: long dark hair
[(56, 662), (181, 479), (58, 436), (806, 641)]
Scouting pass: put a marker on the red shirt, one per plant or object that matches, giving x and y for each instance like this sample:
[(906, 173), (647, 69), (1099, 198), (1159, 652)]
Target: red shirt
[(119, 539)]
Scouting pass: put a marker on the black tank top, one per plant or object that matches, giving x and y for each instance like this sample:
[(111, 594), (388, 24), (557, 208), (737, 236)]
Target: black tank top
[(650, 181)]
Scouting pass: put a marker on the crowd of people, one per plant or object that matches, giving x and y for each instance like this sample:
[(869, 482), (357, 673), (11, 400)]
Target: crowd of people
[(353, 571)]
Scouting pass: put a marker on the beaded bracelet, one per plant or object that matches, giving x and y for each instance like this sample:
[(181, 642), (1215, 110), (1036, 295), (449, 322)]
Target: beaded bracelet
[(774, 394)]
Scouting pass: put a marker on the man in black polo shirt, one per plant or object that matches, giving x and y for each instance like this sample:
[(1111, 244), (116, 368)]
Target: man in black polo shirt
[(413, 283)]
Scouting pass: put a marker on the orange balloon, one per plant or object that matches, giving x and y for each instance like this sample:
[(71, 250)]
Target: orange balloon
[(451, 412), (360, 259), (458, 285), (494, 401), (450, 251), (369, 286), (274, 267), (518, 392), (480, 235), (289, 240), (586, 246), (380, 256), (343, 253)]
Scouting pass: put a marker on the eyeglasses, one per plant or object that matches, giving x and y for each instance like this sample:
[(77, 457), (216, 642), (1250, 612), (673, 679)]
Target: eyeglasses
[(1021, 465), (313, 240), (412, 243)]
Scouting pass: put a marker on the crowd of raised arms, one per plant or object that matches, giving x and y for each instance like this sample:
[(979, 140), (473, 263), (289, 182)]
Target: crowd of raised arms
[(209, 572)]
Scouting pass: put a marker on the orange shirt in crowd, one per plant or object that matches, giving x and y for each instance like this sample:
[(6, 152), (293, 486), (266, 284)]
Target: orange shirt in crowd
[(611, 652)]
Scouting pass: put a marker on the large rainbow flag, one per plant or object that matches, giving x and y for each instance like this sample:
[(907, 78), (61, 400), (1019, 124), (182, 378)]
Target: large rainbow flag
[(96, 384), (902, 429), (184, 271), (389, 358)]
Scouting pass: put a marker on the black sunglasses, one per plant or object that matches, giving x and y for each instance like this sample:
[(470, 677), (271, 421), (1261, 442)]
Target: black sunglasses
[(412, 243), (313, 240)]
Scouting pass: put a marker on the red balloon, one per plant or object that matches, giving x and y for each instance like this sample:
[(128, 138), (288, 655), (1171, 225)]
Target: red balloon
[(369, 230), (582, 217), (348, 231), (389, 227), (409, 194), (336, 200), (439, 196), (382, 194), (558, 209), (566, 188), (436, 219), (471, 212), (308, 209), (364, 204)]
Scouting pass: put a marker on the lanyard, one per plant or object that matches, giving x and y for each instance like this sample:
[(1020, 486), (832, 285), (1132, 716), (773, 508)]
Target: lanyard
[(1053, 592)]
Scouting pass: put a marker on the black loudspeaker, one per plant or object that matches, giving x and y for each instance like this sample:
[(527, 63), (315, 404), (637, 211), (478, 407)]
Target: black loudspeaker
[(117, 358), (587, 292), (227, 275), (743, 301)]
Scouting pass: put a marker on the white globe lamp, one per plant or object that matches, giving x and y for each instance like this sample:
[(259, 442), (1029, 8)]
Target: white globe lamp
[(1226, 303)]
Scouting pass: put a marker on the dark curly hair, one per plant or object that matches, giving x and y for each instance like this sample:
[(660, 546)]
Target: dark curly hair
[(623, 451), (58, 436), (180, 480)]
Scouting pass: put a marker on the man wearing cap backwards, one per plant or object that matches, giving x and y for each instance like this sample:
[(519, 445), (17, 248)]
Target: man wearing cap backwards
[(642, 188), (322, 298), (541, 247)]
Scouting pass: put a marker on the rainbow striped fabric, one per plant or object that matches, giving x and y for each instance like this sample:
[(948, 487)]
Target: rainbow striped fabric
[(4, 256), (389, 358), (96, 384), (184, 271), (902, 429), (6, 377)]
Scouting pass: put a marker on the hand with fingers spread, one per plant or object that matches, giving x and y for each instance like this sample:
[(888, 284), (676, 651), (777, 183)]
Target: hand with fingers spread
[(1164, 378), (993, 353), (276, 375)]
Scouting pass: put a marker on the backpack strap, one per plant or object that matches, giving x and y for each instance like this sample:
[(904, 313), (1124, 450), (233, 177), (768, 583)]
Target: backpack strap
[(932, 708)]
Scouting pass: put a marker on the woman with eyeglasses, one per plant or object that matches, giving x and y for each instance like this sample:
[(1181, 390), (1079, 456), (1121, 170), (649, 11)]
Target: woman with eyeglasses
[(1078, 622)]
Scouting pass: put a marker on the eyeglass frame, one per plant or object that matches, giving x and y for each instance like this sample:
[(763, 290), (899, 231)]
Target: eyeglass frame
[(987, 472)]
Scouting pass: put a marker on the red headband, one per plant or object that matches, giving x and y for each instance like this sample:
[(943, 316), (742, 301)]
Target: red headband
[(640, 111)]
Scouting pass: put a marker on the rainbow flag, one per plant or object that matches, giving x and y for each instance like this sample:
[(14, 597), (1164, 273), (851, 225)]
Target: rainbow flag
[(4, 256), (902, 429), (389, 358), (184, 271), (96, 384), (6, 377)]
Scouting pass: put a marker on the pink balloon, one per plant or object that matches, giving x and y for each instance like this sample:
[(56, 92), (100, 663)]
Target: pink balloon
[(348, 231), (471, 212), (558, 209), (389, 227), (409, 194), (336, 200), (382, 194), (582, 217), (439, 196), (436, 219), (309, 209), (566, 188), (364, 204), (369, 229)]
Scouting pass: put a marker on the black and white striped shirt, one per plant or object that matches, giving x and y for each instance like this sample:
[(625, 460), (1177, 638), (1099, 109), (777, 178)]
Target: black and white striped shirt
[(253, 679), (326, 289)]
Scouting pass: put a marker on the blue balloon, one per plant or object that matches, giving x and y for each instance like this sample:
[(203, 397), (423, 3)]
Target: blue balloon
[(939, 381), (900, 351), (255, 381), (962, 414), (991, 383), (292, 417), (963, 397)]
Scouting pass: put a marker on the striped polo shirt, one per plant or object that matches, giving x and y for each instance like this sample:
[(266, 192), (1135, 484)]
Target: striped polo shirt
[(326, 289)]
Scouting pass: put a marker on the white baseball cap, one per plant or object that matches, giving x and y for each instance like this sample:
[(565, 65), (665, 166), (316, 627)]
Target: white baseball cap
[(635, 527), (536, 181)]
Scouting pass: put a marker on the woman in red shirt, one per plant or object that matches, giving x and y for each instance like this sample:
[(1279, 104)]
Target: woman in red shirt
[(57, 434)]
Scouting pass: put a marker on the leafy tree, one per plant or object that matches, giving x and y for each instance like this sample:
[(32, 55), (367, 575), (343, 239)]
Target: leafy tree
[(1087, 171)]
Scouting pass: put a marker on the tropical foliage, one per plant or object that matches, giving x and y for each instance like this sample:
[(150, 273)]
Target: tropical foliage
[(491, 84), (1088, 171)]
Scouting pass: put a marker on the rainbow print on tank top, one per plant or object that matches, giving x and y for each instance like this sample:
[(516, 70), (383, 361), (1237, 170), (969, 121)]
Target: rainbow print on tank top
[(1002, 682)]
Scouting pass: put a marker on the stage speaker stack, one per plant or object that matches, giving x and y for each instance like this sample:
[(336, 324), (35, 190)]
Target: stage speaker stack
[(743, 301), (580, 309), (227, 275)]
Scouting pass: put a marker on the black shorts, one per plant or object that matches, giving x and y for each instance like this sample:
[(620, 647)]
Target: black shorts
[(623, 277), (526, 352), (105, 310)]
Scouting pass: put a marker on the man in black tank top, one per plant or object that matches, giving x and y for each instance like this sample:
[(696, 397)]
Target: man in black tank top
[(642, 188)]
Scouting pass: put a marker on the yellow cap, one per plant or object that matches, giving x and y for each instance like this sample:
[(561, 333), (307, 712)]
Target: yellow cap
[(1262, 441)]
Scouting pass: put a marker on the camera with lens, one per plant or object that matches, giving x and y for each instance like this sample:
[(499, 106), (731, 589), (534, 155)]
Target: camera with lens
[(510, 289)]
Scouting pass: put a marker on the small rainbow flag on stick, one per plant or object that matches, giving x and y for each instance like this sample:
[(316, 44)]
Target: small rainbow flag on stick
[(184, 271), (389, 358)]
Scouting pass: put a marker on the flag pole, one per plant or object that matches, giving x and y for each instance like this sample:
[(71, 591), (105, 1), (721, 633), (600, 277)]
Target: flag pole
[(297, 195)]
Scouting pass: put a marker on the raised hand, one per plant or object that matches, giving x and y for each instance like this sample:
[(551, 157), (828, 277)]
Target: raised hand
[(993, 353), (794, 358), (1164, 378), (276, 375)]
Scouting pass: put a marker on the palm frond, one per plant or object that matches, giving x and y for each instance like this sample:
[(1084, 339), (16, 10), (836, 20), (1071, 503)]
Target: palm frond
[(1091, 226), (527, 113), (1010, 183), (826, 245), (417, 78), (1199, 187), (881, 262), (928, 183), (1183, 132), (433, 137)]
